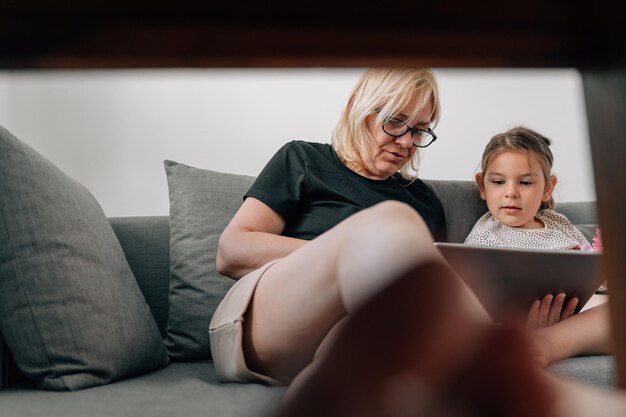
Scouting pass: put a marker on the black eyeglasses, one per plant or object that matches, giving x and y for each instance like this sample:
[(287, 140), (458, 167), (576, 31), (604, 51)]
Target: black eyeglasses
[(420, 137)]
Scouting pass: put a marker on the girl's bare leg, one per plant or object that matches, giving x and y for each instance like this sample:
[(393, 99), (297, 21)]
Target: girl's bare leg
[(575, 399), (588, 332), (301, 298)]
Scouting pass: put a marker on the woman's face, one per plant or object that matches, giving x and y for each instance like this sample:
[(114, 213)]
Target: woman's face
[(387, 154)]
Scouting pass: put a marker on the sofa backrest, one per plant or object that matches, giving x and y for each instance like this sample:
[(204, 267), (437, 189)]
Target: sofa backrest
[(146, 244), (462, 206), (145, 240)]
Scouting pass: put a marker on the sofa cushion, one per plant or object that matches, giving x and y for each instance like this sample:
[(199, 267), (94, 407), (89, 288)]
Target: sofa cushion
[(189, 389), (597, 370), (202, 202), (146, 245), (583, 214), (462, 206), (70, 309), (194, 390)]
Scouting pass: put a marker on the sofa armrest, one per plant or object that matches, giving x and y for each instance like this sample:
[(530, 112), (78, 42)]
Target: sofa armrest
[(5, 364), (10, 375), (2, 352)]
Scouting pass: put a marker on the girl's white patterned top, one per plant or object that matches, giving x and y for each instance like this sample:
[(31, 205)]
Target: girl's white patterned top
[(558, 233)]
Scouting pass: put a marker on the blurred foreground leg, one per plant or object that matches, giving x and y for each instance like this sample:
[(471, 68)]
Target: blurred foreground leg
[(412, 350)]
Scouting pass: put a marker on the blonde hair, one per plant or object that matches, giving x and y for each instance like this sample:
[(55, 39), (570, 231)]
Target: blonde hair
[(523, 139), (385, 92)]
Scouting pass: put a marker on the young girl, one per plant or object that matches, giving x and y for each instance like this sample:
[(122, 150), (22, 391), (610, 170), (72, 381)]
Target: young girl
[(517, 184)]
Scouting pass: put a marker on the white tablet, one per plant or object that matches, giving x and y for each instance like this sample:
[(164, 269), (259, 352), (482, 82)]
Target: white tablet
[(508, 280)]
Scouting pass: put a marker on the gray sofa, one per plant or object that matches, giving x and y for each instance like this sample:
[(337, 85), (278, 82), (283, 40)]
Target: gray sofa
[(189, 386)]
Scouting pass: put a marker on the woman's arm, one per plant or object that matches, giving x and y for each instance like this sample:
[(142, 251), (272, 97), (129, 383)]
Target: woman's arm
[(251, 239), (586, 332)]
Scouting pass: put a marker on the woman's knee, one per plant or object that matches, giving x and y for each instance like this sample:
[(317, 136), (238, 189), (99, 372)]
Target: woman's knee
[(393, 206), (397, 219)]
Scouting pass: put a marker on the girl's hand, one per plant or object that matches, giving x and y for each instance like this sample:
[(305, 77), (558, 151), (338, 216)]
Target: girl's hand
[(550, 310)]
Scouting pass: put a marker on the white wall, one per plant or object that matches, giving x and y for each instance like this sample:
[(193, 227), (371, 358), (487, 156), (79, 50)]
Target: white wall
[(111, 130)]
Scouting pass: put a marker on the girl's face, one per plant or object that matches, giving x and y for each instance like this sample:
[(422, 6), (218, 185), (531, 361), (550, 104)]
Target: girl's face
[(514, 187), (387, 154)]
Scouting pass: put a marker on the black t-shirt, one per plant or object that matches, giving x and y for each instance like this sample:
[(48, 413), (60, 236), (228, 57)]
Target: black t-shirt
[(312, 190)]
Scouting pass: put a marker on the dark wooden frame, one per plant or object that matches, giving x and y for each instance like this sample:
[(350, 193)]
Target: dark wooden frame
[(123, 34)]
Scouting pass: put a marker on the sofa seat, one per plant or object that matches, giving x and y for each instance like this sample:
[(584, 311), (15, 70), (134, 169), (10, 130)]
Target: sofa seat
[(598, 371), (192, 389), (180, 389)]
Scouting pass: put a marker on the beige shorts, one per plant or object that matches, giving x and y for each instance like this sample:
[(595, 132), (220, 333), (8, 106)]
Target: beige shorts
[(226, 331)]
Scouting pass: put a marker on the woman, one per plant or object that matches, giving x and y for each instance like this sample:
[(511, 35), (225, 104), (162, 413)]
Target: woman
[(324, 229)]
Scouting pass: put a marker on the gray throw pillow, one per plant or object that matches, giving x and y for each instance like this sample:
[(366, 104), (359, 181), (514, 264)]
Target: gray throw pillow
[(70, 309), (202, 202)]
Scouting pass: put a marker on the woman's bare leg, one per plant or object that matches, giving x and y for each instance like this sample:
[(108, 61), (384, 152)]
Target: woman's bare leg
[(301, 298), (422, 359), (320, 353)]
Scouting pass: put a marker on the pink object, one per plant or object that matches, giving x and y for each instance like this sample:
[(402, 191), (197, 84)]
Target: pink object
[(596, 244), (597, 241)]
